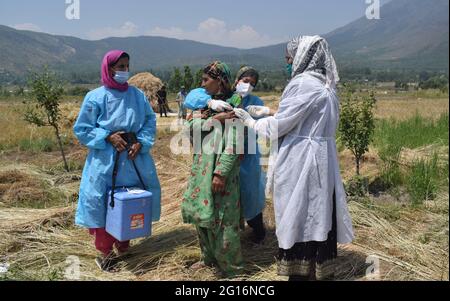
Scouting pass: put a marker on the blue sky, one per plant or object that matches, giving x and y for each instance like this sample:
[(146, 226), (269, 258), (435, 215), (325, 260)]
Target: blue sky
[(237, 23)]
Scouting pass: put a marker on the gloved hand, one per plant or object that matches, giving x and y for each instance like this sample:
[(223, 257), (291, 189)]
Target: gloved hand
[(258, 111), (245, 118), (219, 105)]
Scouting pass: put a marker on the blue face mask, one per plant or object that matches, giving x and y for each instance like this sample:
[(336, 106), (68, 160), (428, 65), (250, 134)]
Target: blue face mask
[(289, 69), (122, 77)]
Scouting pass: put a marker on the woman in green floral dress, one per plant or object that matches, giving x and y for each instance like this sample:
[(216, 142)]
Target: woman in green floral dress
[(211, 201)]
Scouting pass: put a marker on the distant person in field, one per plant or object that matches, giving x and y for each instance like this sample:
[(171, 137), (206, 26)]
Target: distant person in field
[(106, 114), (252, 177), (181, 97), (212, 200), (310, 202), (162, 101)]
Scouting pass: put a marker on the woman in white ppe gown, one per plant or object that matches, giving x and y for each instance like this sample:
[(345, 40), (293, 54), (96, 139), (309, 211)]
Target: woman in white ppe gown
[(310, 202)]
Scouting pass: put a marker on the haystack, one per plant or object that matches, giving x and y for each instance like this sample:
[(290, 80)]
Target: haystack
[(149, 84)]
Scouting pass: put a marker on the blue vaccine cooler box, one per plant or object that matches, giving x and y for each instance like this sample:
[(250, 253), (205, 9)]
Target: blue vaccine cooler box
[(131, 215)]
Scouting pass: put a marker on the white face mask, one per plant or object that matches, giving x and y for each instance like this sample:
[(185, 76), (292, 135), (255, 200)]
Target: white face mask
[(244, 89), (121, 76)]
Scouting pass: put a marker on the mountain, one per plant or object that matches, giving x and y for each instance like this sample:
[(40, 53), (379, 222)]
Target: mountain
[(26, 50), (411, 34)]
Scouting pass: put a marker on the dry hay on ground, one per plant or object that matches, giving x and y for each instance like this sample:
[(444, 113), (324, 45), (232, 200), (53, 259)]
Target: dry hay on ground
[(412, 246), (18, 189), (408, 156), (25, 188), (149, 84), (412, 243)]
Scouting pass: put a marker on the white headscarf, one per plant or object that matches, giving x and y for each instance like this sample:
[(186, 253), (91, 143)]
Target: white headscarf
[(312, 54)]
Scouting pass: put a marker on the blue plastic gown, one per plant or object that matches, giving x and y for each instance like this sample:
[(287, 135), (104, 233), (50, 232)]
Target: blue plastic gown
[(105, 111), (252, 177)]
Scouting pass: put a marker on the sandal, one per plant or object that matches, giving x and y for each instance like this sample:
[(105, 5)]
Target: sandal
[(107, 264), (200, 266)]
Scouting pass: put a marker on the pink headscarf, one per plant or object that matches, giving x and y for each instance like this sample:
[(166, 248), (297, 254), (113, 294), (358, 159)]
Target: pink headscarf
[(108, 81)]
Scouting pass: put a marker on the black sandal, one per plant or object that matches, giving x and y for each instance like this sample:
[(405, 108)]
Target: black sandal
[(107, 264)]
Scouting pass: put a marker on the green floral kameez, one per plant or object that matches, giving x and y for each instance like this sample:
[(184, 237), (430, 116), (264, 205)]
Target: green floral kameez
[(217, 217)]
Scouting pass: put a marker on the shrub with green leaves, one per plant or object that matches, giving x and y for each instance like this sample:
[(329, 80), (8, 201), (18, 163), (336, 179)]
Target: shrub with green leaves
[(46, 90), (357, 124), (357, 186)]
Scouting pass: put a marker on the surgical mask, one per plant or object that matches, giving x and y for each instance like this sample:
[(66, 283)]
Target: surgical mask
[(122, 76), (289, 69), (244, 89)]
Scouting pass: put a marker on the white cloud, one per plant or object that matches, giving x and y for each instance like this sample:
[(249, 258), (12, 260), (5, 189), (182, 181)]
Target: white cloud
[(27, 26), (172, 32), (215, 31), (126, 30)]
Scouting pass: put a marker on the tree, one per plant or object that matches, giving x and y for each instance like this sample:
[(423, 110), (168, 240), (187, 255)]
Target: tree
[(198, 78), (401, 85), (19, 92), (188, 78), (435, 82), (176, 81), (4, 92), (357, 124), (46, 90)]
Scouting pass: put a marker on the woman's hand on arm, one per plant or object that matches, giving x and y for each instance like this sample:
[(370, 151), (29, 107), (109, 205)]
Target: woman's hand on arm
[(245, 117), (219, 105), (260, 111), (225, 116)]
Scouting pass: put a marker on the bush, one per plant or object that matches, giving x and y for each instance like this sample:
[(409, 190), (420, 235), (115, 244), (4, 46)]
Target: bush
[(46, 89), (357, 124), (357, 186)]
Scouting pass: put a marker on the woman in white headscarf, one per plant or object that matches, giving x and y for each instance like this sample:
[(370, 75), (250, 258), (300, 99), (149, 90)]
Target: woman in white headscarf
[(310, 202)]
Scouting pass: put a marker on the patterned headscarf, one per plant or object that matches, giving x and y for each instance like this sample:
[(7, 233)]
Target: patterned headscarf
[(312, 54), (221, 71), (247, 71)]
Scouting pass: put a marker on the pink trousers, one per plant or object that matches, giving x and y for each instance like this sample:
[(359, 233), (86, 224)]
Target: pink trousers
[(104, 242)]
